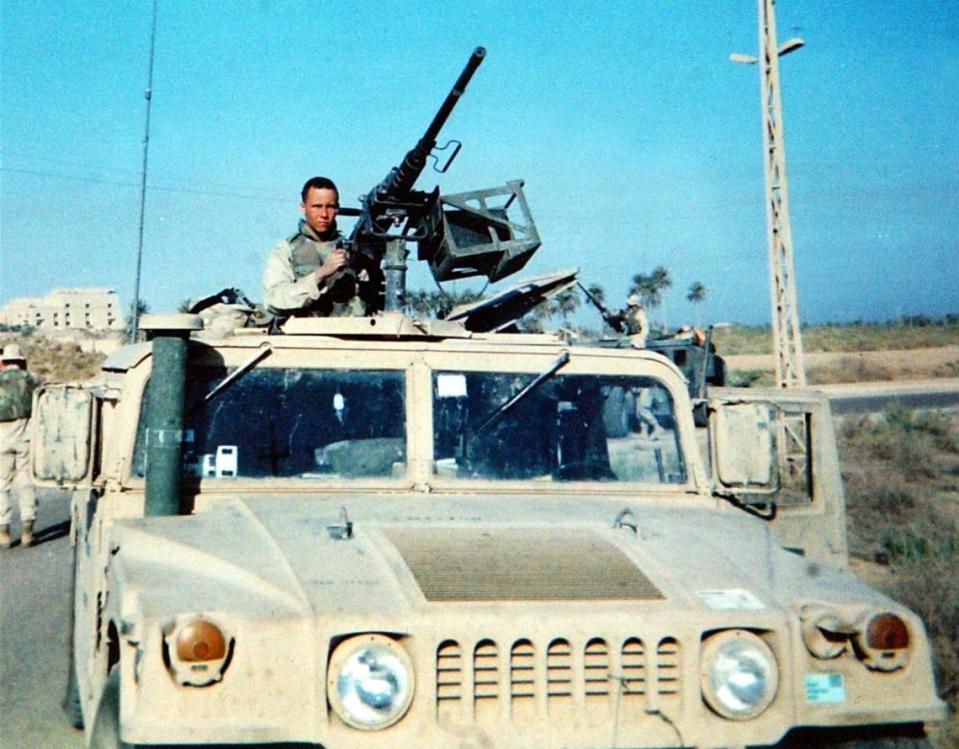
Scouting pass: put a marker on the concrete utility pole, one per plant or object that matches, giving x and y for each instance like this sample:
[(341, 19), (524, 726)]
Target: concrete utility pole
[(787, 338)]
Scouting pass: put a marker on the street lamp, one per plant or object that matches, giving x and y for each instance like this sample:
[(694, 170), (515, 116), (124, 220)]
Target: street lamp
[(790, 45), (787, 340)]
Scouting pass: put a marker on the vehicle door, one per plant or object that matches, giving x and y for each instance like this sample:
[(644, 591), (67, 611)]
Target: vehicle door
[(774, 453), (65, 455)]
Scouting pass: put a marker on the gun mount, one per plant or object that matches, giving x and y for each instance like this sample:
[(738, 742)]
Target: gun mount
[(487, 232)]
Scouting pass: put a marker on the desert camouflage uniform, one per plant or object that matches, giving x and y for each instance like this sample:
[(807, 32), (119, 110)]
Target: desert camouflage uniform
[(637, 325), (16, 402), (290, 288)]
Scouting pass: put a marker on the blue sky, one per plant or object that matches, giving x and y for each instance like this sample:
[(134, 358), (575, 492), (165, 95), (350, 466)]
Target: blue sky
[(639, 141)]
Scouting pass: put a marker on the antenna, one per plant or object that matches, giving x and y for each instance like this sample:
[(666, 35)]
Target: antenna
[(148, 95)]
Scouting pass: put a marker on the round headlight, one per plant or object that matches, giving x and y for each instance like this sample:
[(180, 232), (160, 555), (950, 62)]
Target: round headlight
[(739, 674), (370, 682)]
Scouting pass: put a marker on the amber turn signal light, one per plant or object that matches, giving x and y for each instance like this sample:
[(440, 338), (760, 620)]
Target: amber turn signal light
[(887, 632), (200, 640)]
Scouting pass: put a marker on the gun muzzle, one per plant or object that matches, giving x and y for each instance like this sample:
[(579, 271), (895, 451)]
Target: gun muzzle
[(453, 97), (402, 179)]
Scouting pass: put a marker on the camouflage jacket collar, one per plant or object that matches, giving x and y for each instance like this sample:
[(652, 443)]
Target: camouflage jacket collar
[(304, 228), (11, 374)]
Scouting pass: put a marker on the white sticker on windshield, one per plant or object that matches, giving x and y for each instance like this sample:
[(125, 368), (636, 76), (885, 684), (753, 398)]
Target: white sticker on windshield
[(731, 599), (825, 689), (226, 461), (451, 386)]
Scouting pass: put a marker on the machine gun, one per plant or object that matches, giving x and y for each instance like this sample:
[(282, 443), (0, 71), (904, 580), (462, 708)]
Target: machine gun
[(615, 320), (462, 235)]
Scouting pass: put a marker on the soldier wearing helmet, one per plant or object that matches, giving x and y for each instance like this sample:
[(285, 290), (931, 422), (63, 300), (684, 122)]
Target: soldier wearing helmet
[(16, 403), (636, 323)]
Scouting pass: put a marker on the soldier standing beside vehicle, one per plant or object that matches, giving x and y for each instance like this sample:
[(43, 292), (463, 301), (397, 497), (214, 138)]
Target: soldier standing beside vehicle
[(16, 402), (310, 274)]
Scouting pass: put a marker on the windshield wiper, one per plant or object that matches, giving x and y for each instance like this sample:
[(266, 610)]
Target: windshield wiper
[(501, 411), (265, 349)]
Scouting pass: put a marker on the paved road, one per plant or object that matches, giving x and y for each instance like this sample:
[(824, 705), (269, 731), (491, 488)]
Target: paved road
[(34, 615), (878, 396)]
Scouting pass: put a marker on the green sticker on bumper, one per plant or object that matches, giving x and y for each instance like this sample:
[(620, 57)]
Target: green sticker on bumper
[(825, 689)]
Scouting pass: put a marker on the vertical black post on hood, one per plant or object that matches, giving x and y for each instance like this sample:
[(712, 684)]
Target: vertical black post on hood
[(169, 335)]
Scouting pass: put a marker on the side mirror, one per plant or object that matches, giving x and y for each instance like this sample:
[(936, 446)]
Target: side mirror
[(62, 425), (744, 447)]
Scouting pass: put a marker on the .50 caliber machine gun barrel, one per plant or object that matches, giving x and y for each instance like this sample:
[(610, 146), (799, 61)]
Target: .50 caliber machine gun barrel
[(402, 179)]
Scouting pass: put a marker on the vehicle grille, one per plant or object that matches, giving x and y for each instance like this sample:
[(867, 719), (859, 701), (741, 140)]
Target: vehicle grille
[(490, 681)]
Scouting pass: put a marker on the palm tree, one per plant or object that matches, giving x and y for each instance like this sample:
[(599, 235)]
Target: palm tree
[(565, 302), (650, 287), (418, 302), (598, 292), (645, 288), (438, 303), (697, 292), (697, 295), (662, 281), (537, 319)]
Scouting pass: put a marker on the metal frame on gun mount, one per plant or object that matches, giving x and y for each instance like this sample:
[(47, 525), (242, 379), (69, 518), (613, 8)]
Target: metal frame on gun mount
[(468, 234)]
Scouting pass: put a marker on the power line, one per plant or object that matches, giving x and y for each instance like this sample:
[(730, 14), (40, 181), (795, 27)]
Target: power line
[(158, 188), (28, 157)]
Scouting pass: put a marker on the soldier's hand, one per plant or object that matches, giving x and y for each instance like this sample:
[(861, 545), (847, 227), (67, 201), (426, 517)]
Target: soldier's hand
[(334, 261)]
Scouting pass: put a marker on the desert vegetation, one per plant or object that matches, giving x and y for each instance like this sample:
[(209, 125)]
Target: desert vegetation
[(52, 360), (916, 348), (848, 337), (901, 474)]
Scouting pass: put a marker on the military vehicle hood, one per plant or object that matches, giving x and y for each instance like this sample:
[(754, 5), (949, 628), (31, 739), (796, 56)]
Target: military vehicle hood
[(389, 556)]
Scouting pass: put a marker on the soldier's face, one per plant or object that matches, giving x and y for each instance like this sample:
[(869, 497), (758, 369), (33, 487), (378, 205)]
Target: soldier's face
[(320, 209)]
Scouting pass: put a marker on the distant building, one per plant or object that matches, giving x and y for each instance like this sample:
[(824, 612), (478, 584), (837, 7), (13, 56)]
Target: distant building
[(66, 309)]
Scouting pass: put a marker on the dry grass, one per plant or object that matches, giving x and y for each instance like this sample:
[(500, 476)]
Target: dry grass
[(55, 361), (849, 369), (901, 473), (846, 353), (742, 339), (744, 378)]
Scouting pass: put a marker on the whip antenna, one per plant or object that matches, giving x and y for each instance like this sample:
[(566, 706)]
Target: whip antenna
[(148, 95)]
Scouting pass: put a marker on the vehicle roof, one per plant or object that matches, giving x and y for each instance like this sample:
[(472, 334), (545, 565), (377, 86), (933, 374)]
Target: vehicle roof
[(391, 332)]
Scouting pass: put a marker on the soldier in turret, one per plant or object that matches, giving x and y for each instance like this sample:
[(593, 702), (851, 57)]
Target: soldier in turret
[(637, 325), (16, 402), (311, 274)]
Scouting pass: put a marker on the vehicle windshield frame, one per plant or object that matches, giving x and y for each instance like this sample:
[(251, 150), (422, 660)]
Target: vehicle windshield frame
[(417, 363), (196, 406), (582, 362)]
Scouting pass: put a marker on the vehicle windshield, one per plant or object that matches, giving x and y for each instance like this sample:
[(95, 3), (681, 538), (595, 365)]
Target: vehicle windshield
[(570, 428), (308, 423)]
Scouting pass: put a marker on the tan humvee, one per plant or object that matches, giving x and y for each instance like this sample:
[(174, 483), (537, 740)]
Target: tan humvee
[(395, 533)]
